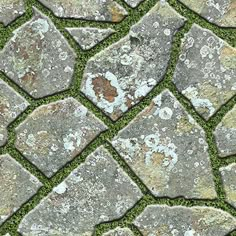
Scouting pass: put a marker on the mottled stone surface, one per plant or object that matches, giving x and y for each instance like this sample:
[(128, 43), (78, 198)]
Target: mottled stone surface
[(17, 186), (96, 10), (55, 133), (228, 175), (184, 221), (11, 106), (121, 75), (133, 3), (10, 10), (119, 232), (225, 134), (97, 191), (219, 12), (38, 58), (206, 71), (89, 37), (167, 149)]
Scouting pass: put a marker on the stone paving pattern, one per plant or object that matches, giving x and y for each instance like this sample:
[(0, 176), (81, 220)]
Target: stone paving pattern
[(119, 147)]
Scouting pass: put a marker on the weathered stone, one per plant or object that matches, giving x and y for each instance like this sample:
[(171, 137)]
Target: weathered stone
[(10, 10), (184, 221), (120, 76), (17, 186), (228, 175), (97, 191), (119, 232), (219, 12), (133, 3), (38, 58), (55, 133), (225, 134), (206, 71), (11, 106), (89, 37), (167, 149), (96, 10)]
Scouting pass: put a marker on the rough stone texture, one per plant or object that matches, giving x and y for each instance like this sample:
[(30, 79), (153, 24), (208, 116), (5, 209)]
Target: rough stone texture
[(10, 10), (219, 12), (184, 221), (17, 186), (11, 106), (225, 134), (97, 191), (133, 3), (166, 148), (89, 37), (206, 71), (119, 232), (55, 133), (96, 10), (38, 58), (228, 175), (121, 75)]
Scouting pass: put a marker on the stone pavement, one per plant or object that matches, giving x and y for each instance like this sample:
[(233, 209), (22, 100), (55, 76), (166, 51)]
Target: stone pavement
[(118, 118)]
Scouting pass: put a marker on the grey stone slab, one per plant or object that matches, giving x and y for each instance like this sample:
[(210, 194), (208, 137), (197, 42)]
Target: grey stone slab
[(119, 232), (54, 134), (38, 58), (167, 150), (228, 175), (17, 186), (120, 76), (11, 106), (10, 10), (219, 12), (206, 71), (184, 221), (96, 10), (133, 3), (97, 191), (89, 37)]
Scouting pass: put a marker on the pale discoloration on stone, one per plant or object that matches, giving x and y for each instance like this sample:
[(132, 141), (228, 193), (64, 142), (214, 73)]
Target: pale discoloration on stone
[(89, 37), (119, 232), (184, 221), (228, 175), (38, 58), (134, 65), (55, 133), (96, 10), (11, 106), (133, 3), (206, 71), (166, 148), (17, 186), (219, 12), (97, 191), (10, 10)]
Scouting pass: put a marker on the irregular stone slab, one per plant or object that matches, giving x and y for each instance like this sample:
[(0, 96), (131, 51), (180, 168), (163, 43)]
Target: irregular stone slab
[(121, 75), (167, 150), (38, 58), (186, 221), (225, 134), (228, 175), (11, 106), (55, 133), (206, 71), (97, 191), (96, 10), (17, 186), (10, 10), (119, 232), (133, 3), (219, 12), (89, 37)]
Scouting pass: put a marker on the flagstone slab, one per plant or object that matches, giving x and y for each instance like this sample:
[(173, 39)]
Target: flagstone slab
[(97, 191), (167, 150), (54, 134), (206, 71), (119, 232), (121, 75), (17, 186)]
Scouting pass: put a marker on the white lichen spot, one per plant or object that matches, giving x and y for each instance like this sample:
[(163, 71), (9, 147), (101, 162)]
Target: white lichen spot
[(30, 140), (61, 188), (72, 141), (164, 113)]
